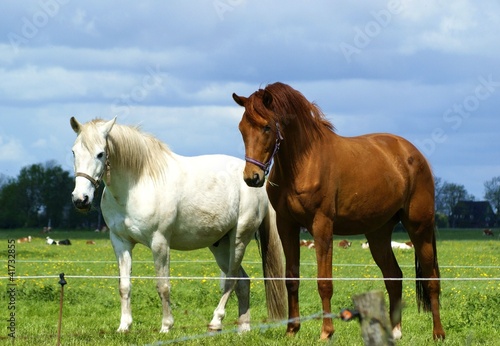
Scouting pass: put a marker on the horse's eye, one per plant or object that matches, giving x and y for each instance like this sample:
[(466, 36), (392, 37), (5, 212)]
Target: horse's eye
[(267, 128), (100, 155)]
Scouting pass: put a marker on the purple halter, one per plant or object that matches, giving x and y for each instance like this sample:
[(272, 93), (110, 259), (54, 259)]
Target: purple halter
[(266, 166)]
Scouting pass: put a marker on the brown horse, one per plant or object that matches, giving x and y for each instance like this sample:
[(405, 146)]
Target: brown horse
[(344, 186)]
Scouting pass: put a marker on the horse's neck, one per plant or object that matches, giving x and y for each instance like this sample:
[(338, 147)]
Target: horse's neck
[(297, 148), (119, 184), (122, 179)]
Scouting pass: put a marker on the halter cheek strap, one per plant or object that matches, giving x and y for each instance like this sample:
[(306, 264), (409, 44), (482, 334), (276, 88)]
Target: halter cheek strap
[(267, 165)]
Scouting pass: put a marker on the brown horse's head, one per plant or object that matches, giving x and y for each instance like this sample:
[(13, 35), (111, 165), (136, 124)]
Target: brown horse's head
[(261, 135)]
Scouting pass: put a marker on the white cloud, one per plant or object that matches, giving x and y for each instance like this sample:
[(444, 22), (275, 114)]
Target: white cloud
[(459, 27), (11, 149), (82, 22)]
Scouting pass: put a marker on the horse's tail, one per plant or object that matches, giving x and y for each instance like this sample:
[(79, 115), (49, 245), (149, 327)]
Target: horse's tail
[(272, 264), (423, 297)]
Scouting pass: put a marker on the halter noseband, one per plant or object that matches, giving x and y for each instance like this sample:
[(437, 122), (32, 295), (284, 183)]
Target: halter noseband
[(266, 166), (97, 182), (88, 177)]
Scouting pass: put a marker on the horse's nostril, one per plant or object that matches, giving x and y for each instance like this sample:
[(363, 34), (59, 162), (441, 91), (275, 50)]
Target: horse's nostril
[(254, 181), (256, 178), (83, 203)]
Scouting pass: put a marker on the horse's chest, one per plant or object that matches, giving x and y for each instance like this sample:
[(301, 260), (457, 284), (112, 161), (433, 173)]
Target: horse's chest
[(292, 205)]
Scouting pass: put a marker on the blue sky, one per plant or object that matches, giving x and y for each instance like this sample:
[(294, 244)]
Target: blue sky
[(426, 70)]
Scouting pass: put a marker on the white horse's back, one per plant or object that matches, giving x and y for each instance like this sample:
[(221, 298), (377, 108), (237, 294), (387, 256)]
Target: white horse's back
[(212, 201)]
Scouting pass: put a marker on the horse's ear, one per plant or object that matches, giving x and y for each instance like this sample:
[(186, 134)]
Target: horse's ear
[(107, 126), (267, 99), (239, 100), (75, 125)]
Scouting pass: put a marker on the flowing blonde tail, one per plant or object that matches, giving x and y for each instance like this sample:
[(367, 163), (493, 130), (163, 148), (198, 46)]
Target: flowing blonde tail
[(272, 264)]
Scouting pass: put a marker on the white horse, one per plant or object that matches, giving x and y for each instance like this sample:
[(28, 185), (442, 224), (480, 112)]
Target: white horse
[(166, 201)]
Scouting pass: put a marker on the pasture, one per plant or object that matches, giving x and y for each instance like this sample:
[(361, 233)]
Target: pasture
[(470, 308)]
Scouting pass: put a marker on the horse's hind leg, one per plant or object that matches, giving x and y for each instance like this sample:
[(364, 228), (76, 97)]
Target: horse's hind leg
[(426, 266), (123, 252), (229, 261), (242, 289), (381, 250)]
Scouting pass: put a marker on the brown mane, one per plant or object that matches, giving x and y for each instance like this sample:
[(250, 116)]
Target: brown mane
[(290, 105), (297, 117)]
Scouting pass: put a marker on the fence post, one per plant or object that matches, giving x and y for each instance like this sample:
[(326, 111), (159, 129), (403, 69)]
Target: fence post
[(62, 282), (376, 327)]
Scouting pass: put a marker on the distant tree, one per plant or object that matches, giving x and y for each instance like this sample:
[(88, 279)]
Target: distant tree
[(41, 195), (438, 194), (441, 212), (11, 212), (4, 179), (55, 194), (30, 182), (450, 194), (492, 194)]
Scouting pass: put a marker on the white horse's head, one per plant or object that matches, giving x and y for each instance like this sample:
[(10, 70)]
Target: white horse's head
[(90, 154)]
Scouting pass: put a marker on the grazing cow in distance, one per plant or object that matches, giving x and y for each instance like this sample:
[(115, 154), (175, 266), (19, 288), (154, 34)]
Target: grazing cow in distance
[(58, 242), (405, 246), (310, 243), (307, 243), (64, 242), (488, 232), (344, 244), (25, 240), (394, 244)]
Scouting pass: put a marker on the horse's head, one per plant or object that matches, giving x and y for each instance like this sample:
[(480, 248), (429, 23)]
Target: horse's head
[(90, 155), (261, 135)]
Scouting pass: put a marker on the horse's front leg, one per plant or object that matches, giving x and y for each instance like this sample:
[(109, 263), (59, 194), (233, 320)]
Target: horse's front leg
[(161, 254), (123, 252), (323, 243), (290, 239)]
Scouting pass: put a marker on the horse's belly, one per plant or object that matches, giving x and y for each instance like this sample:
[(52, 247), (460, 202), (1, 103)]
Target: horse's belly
[(192, 239)]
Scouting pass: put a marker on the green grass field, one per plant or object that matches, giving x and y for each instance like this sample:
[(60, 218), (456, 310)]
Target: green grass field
[(470, 309)]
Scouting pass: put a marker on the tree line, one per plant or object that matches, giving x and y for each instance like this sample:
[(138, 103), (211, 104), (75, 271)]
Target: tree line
[(40, 196), (447, 196)]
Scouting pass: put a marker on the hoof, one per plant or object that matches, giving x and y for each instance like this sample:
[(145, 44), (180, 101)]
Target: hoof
[(439, 336), (214, 329), (165, 329), (123, 328), (243, 328), (397, 334), (325, 336)]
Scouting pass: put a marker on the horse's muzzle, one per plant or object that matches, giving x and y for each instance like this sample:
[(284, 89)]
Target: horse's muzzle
[(82, 205), (256, 180)]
